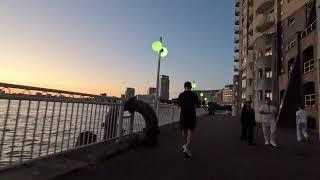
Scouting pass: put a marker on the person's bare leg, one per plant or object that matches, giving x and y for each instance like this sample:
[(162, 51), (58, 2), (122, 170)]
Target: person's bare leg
[(184, 137), (189, 137)]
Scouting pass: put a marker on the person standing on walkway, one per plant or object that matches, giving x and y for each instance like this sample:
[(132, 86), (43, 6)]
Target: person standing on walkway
[(188, 101), (268, 116), (248, 122), (302, 121)]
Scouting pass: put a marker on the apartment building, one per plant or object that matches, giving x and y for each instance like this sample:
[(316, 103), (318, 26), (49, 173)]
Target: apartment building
[(275, 55)]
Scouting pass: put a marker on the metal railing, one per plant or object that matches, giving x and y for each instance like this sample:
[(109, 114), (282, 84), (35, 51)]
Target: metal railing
[(36, 122), (309, 29)]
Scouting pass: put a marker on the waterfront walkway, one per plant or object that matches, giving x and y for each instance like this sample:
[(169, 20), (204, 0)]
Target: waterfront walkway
[(218, 155)]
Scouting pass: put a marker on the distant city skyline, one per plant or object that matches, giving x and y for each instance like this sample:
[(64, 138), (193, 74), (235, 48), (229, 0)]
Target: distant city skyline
[(105, 46)]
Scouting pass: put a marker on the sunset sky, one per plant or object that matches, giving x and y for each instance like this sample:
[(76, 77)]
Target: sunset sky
[(97, 46)]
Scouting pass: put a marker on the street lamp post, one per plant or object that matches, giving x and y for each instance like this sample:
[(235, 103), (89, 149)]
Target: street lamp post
[(201, 95), (206, 101), (158, 47)]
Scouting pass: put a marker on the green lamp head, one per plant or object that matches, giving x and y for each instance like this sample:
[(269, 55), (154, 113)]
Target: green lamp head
[(206, 99), (163, 52), (201, 94), (156, 46), (194, 85)]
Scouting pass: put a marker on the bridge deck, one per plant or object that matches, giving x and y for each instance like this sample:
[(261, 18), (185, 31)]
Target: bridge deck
[(218, 154)]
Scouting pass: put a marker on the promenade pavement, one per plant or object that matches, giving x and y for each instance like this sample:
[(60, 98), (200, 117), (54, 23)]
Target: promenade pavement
[(218, 154)]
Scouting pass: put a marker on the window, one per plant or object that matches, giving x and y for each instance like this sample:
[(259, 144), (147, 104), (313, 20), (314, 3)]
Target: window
[(309, 66), (260, 95), (309, 93), (268, 94), (281, 13), (243, 96), (291, 21), (250, 82), (244, 83), (268, 51), (268, 73), (260, 73), (291, 44), (310, 99)]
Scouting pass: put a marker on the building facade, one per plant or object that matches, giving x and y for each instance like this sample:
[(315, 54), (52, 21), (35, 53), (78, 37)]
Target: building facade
[(209, 94), (130, 92), (164, 87), (276, 49), (227, 93), (152, 91), (147, 98)]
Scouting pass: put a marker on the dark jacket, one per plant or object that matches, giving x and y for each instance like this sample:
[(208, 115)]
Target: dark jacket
[(248, 117)]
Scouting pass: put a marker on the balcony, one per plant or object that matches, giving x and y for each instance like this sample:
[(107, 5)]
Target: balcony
[(236, 30), (265, 23), (237, 20), (264, 84), (237, 12), (236, 48), (237, 3), (236, 39), (236, 68), (236, 58), (264, 6), (264, 62)]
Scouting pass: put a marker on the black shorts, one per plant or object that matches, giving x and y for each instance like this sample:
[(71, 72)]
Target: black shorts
[(188, 120), (188, 124)]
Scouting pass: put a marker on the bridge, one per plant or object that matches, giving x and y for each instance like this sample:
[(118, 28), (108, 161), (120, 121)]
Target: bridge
[(30, 149)]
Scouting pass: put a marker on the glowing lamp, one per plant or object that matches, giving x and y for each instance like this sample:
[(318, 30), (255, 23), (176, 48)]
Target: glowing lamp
[(156, 46), (163, 52)]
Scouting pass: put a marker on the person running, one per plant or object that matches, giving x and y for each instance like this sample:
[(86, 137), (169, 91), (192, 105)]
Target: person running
[(302, 120), (248, 122), (268, 116), (188, 101)]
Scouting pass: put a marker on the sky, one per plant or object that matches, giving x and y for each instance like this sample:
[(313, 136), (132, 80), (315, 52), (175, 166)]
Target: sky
[(104, 46)]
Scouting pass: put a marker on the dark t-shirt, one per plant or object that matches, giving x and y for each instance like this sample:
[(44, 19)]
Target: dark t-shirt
[(188, 101)]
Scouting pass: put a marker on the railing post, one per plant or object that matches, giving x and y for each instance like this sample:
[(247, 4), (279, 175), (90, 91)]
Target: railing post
[(131, 123), (172, 115), (120, 120)]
